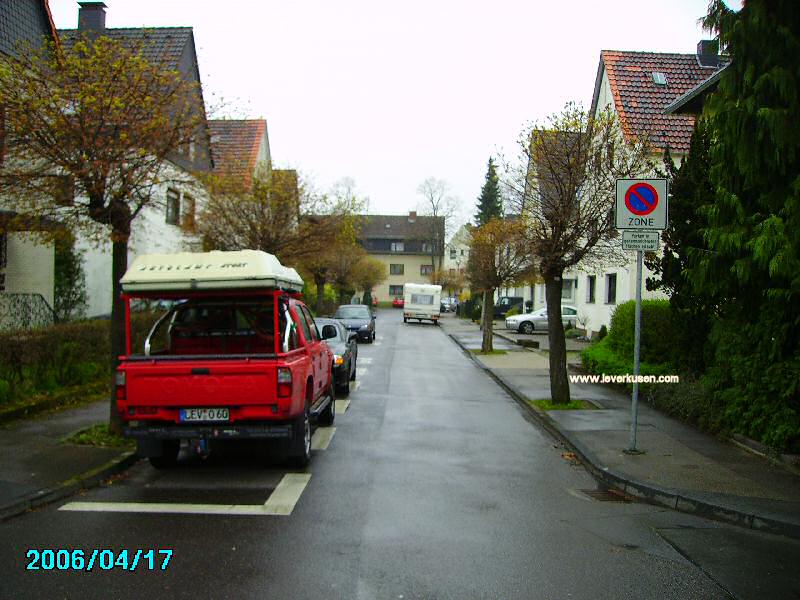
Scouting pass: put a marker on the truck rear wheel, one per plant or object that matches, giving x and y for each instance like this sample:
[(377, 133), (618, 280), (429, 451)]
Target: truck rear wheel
[(300, 448), (170, 449)]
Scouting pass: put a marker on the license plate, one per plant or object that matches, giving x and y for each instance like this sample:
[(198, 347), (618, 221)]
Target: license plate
[(205, 414)]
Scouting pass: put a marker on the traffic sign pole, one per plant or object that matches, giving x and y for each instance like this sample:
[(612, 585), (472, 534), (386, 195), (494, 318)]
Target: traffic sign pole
[(637, 333), (641, 210)]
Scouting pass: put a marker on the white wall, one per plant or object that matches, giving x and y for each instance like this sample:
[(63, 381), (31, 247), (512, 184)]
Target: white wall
[(31, 266), (151, 234)]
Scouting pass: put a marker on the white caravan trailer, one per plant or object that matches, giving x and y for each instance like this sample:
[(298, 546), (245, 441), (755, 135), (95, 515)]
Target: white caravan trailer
[(422, 301)]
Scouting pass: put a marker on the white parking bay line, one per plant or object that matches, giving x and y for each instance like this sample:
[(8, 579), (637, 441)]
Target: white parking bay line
[(366, 360), (281, 502), (342, 406), (165, 508), (322, 438)]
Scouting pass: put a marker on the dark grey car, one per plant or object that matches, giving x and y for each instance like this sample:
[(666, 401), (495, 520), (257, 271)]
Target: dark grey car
[(345, 351), (359, 319)]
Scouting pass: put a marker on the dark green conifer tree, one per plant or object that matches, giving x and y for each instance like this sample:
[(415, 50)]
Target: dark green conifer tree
[(752, 262), (490, 204)]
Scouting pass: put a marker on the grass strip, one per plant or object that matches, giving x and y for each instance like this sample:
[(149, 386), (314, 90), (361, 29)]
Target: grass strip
[(99, 435), (547, 404)]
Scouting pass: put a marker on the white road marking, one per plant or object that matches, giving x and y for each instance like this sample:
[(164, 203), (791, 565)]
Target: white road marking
[(281, 502), (322, 438), (367, 360), (361, 371), (342, 406), (283, 499)]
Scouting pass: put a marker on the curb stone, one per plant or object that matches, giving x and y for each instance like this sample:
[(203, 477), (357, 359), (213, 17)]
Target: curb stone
[(84, 481), (652, 494)]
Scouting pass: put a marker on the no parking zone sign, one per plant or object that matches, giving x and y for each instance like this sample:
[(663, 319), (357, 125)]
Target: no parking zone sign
[(641, 204)]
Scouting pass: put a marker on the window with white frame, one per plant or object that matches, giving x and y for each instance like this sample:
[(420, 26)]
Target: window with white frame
[(611, 288), (395, 290), (452, 253), (173, 207), (568, 289), (591, 283), (425, 269), (396, 269), (398, 247)]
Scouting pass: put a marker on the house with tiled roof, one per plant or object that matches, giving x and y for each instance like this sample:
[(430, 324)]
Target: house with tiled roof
[(168, 223), (240, 148), (405, 244), (27, 265), (638, 87)]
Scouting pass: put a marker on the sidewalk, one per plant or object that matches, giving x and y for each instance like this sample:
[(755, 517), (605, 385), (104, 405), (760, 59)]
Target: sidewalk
[(681, 468), (36, 467)]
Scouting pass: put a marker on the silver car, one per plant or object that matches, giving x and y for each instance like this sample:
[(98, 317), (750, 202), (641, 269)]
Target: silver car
[(537, 320)]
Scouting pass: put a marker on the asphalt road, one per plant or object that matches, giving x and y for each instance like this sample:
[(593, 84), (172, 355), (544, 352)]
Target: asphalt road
[(435, 485)]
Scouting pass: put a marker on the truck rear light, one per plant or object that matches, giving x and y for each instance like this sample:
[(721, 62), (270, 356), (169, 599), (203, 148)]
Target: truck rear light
[(119, 385), (284, 382)]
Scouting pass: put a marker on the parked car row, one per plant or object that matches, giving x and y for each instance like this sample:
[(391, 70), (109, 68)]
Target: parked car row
[(449, 304)]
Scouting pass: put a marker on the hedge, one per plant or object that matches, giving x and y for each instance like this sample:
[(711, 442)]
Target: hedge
[(66, 354), (658, 338)]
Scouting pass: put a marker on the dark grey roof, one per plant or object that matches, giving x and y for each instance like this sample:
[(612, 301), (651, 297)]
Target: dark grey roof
[(399, 227), (24, 21), (159, 45)]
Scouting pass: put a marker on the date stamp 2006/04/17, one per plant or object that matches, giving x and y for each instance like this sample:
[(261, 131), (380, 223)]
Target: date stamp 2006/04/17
[(105, 559)]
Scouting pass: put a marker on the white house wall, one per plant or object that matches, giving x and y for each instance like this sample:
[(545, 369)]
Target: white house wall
[(31, 266), (151, 234)]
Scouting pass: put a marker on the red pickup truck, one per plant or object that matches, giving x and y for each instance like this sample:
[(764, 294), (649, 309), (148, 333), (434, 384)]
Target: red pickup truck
[(236, 356)]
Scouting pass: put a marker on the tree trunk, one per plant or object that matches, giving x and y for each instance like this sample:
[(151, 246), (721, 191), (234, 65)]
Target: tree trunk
[(320, 283), (559, 384), (487, 320), (119, 264)]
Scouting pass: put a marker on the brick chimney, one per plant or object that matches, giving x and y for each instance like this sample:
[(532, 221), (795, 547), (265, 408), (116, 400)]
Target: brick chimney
[(91, 17), (412, 216), (708, 53)]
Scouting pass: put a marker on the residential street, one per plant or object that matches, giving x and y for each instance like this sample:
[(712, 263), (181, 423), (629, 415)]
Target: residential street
[(436, 484)]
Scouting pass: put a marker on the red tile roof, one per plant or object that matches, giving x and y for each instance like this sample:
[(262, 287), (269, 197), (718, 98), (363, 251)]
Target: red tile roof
[(235, 144), (640, 102)]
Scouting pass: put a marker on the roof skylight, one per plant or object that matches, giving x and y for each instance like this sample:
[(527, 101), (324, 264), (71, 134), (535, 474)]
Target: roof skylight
[(659, 78)]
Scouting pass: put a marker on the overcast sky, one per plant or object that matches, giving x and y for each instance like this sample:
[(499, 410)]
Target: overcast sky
[(389, 94)]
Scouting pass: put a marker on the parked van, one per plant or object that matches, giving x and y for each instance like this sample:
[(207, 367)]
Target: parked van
[(422, 301)]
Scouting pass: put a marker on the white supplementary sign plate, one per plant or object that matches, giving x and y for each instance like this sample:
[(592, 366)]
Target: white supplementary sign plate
[(646, 241), (641, 204)]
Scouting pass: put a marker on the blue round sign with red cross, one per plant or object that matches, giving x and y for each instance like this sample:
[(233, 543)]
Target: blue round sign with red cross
[(641, 199), (642, 204)]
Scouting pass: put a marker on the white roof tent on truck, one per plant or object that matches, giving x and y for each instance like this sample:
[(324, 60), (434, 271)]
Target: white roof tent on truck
[(216, 270)]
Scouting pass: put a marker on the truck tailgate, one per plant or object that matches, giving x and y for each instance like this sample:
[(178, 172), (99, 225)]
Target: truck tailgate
[(200, 383)]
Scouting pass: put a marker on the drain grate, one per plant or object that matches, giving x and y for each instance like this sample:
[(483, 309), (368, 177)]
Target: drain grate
[(606, 495)]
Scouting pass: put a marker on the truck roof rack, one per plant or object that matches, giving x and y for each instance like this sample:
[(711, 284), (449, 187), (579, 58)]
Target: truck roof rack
[(216, 270)]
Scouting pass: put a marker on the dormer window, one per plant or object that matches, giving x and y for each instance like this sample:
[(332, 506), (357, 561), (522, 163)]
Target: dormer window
[(659, 78)]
